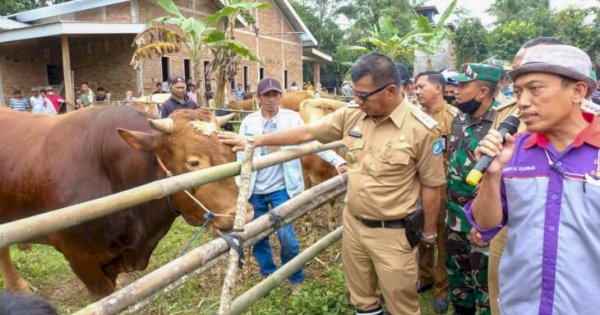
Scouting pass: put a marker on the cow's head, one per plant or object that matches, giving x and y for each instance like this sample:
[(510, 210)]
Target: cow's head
[(185, 142)]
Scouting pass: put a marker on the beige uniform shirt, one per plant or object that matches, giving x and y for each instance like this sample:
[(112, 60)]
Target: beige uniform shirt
[(388, 161), (444, 116)]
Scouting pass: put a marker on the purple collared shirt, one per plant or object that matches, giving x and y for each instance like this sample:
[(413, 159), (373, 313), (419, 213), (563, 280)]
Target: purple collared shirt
[(551, 205)]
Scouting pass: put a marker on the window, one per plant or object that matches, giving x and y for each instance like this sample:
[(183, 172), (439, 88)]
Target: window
[(261, 73), (246, 83), (165, 68), (187, 69), (55, 74), (285, 79), (206, 72)]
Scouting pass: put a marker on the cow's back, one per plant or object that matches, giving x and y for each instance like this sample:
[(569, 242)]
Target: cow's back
[(54, 162)]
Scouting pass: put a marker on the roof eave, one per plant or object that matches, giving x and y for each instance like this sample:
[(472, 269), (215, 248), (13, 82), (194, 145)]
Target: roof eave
[(62, 8), (297, 23), (70, 28)]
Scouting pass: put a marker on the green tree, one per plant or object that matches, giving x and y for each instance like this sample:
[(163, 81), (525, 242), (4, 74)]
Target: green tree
[(470, 41), (572, 26), (364, 13), (225, 49), (319, 16), (387, 39), (433, 35), (506, 10), (321, 23), (14, 6), (170, 34)]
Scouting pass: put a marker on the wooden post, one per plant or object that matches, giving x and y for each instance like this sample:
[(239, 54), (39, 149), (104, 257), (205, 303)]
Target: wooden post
[(195, 261), (316, 74), (240, 216), (66, 59)]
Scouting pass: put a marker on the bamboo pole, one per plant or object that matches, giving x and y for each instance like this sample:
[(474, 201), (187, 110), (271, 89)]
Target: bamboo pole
[(293, 216), (29, 228), (254, 294), (172, 274), (240, 216)]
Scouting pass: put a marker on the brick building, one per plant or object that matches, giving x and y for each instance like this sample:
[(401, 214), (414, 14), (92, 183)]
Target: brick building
[(81, 41)]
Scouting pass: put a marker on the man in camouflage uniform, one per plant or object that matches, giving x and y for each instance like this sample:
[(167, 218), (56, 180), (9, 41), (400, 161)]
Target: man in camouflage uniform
[(467, 256), (429, 88)]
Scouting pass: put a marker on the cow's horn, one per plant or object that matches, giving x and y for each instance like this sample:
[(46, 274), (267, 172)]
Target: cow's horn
[(222, 120), (164, 125)]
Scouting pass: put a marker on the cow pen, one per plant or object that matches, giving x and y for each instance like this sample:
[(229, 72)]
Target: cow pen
[(171, 275)]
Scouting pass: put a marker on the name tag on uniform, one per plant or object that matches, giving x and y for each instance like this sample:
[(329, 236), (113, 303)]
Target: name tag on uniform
[(355, 134)]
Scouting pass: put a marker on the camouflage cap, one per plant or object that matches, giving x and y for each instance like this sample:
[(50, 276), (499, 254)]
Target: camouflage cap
[(478, 71)]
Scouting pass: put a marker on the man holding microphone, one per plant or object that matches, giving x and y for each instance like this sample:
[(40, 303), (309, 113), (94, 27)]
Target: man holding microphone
[(545, 186)]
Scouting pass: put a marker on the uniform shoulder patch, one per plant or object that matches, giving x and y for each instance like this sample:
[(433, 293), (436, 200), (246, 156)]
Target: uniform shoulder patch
[(452, 110), (511, 103), (425, 119), (437, 147)]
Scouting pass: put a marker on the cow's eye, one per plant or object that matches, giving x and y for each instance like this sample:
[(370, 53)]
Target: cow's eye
[(194, 163)]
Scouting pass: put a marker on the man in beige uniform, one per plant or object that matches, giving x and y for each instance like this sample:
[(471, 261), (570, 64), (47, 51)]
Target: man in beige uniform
[(430, 86), (394, 156)]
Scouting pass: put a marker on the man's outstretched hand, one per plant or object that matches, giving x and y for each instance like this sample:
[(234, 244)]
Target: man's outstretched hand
[(236, 141)]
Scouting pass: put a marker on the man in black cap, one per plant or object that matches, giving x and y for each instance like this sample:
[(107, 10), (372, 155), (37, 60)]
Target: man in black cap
[(178, 99)]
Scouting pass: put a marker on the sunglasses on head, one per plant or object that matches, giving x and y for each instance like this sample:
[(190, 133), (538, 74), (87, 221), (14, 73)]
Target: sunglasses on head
[(364, 96)]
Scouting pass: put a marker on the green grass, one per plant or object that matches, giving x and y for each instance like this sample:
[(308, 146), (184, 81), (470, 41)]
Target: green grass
[(323, 292)]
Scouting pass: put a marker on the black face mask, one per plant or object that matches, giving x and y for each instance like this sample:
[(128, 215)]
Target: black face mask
[(469, 107), (449, 99)]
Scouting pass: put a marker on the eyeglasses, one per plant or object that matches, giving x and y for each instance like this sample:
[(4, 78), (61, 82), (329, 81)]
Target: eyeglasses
[(364, 96)]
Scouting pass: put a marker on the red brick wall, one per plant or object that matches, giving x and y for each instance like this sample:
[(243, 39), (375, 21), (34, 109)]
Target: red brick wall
[(278, 48), (103, 61), (23, 65)]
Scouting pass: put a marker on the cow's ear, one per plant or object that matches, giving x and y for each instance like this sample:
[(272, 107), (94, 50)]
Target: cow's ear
[(140, 141)]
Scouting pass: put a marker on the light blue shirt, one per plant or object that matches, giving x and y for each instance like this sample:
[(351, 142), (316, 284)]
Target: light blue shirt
[(253, 125)]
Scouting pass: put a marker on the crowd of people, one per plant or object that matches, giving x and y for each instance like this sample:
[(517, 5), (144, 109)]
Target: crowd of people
[(411, 143)]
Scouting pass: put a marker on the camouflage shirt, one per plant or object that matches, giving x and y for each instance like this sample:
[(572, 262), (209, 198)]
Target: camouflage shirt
[(467, 131)]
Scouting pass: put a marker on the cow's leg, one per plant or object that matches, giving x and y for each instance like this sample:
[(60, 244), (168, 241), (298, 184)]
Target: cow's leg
[(89, 270), (10, 275)]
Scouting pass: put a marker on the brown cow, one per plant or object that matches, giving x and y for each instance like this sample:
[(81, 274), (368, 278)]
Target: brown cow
[(314, 169), (50, 162)]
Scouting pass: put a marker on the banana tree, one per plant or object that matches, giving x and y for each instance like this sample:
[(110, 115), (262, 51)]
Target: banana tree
[(431, 36), (226, 57), (386, 38), (171, 34)]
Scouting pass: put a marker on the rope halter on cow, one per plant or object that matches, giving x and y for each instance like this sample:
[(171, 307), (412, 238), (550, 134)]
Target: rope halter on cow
[(209, 214)]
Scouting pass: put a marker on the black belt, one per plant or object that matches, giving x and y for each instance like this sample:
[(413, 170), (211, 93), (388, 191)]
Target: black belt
[(390, 224)]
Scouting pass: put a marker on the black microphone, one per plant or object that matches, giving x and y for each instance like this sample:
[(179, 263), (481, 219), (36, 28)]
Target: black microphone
[(510, 125)]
